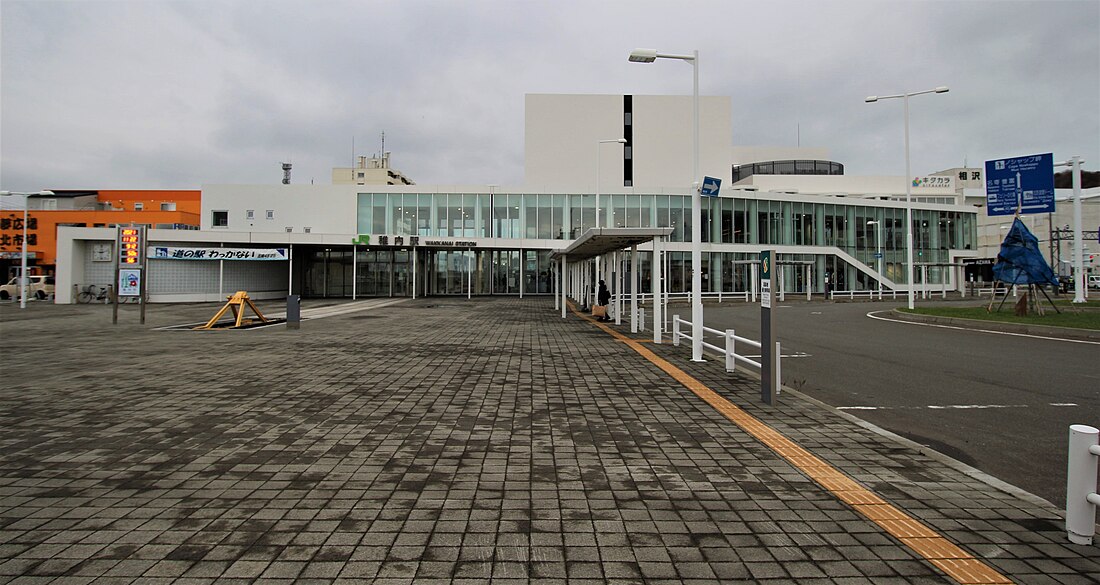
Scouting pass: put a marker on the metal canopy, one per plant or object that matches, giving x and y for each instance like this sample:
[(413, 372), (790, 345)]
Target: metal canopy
[(600, 241)]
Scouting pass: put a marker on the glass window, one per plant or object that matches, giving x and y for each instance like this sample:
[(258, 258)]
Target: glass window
[(379, 215), (556, 217), (424, 214), (219, 218)]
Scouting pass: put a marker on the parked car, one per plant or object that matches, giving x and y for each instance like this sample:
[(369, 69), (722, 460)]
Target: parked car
[(38, 286), (1094, 281)]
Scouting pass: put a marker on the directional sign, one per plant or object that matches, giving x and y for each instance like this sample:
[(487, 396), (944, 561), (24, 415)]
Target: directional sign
[(710, 187), (878, 254), (1025, 182)]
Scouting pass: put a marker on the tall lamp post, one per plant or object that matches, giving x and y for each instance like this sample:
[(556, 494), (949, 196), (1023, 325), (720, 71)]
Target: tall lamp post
[(649, 56), (908, 183), (23, 266), (878, 248)]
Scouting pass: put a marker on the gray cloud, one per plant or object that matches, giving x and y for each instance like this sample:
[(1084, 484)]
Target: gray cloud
[(180, 94)]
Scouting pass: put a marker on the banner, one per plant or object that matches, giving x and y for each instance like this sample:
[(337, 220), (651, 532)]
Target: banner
[(174, 253)]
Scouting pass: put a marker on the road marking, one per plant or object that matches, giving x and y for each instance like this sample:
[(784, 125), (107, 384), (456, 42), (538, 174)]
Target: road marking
[(952, 406), (874, 316), (942, 553)]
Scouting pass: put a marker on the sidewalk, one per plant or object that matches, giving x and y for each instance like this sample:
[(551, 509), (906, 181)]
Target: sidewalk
[(451, 441)]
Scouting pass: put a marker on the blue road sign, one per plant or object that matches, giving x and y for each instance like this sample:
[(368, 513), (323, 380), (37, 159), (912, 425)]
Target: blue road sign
[(878, 254), (1025, 182), (710, 187)]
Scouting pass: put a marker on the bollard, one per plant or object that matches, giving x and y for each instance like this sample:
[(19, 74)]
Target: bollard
[(731, 362), (293, 311), (641, 319), (676, 330), (778, 369), (1081, 496)]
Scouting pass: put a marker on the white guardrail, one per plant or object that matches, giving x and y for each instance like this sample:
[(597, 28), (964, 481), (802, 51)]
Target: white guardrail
[(729, 350), (1081, 487)]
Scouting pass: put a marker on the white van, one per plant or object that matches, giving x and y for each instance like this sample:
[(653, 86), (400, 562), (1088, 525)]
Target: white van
[(38, 286)]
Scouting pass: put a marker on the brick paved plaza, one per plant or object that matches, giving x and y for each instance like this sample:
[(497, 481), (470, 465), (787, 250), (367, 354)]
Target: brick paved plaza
[(448, 441)]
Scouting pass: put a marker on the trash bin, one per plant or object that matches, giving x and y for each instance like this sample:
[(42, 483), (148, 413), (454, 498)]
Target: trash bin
[(293, 311)]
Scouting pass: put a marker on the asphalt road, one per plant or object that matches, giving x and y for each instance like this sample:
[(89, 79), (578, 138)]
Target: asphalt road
[(1000, 403)]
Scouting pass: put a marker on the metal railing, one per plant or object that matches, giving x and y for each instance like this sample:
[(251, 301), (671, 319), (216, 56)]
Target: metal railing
[(729, 349)]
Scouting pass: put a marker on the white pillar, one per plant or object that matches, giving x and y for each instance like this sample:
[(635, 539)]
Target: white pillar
[(810, 286), (563, 282), (634, 289), (1084, 448), (655, 286), (354, 270), (1078, 243), (754, 279)]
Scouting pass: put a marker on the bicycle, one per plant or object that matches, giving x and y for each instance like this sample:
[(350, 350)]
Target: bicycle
[(92, 293)]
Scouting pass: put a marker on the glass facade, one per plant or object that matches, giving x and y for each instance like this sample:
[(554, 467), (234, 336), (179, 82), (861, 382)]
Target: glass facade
[(872, 235), (787, 167)]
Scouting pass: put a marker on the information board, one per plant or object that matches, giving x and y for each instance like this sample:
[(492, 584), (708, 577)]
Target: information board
[(1025, 183)]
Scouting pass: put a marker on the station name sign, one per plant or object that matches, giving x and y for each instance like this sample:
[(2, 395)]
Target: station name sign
[(175, 253), (406, 241)]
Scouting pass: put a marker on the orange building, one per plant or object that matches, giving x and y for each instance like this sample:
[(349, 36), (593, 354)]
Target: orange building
[(156, 209)]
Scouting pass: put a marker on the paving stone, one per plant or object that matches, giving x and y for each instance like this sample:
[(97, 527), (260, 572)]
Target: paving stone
[(448, 441)]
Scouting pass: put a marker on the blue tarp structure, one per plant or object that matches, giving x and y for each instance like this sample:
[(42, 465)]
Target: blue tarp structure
[(1020, 261)]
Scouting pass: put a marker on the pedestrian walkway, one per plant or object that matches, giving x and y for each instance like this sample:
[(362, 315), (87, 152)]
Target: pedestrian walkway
[(463, 441)]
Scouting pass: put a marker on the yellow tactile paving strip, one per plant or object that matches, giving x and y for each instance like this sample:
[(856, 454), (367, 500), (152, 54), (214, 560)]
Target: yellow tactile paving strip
[(949, 558)]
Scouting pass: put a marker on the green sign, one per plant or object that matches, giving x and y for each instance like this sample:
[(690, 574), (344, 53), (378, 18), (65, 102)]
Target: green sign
[(766, 264), (362, 239)]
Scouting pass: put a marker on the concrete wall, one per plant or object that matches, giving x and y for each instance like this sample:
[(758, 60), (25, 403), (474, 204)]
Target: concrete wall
[(562, 133)]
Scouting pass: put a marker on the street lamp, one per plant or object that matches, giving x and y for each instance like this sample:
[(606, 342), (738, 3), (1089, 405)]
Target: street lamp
[(649, 56), (598, 143), (908, 182), (23, 267), (878, 248)]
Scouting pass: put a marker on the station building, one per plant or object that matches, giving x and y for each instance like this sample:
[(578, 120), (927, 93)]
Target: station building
[(356, 240)]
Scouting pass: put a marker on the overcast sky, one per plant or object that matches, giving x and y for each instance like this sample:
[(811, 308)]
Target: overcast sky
[(177, 94)]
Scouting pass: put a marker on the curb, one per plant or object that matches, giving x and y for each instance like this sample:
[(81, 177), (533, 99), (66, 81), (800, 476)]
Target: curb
[(930, 452), (1042, 330)]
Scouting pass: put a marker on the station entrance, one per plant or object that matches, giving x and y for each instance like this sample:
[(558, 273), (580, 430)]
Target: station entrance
[(360, 271)]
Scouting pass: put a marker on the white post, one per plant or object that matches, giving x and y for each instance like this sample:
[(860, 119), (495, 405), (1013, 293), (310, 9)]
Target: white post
[(634, 289), (1078, 244), (1081, 496), (754, 279), (778, 369), (908, 211), (553, 286), (731, 362), (676, 330), (620, 282), (923, 280), (470, 276), (655, 288), (782, 284), (809, 285), (23, 262), (413, 252), (563, 287), (354, 271), (696, 224)]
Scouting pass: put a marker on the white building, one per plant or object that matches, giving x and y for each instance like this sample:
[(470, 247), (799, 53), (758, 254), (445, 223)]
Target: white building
[(350, 240), (374, 170)]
